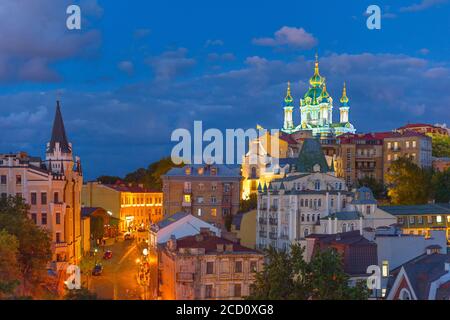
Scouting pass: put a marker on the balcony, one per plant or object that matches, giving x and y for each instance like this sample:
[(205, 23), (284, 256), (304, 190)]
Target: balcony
[(263, 234), (185, 277), (186, 204), (273, 208), (263, 207), (273, 221), (262, 220), (273, 235)]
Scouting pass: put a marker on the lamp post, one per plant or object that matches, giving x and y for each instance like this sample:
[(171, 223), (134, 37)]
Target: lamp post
[(95, 255)]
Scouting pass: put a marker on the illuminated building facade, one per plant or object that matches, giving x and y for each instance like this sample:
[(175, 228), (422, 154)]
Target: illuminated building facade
[(135, 206), (316, 110), (52, 189)]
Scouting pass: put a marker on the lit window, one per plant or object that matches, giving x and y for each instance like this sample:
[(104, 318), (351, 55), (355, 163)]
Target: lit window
[(214, 212), (414, 144), (385, 269), (383, 292), (187, 198), (439, 219)]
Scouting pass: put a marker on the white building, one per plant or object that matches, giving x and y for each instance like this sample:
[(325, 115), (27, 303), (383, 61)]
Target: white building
[(311, 199)]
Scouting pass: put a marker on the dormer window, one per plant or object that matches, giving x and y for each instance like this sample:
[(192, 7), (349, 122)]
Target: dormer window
[(201, 171), (188, 171)]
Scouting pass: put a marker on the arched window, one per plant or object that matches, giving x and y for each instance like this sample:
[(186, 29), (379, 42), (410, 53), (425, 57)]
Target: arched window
[(307, 217), (303, 218), (344, 227), (253, 172), (313, 217), (301, 202), (405, 294), (320, 202), (352, 227)]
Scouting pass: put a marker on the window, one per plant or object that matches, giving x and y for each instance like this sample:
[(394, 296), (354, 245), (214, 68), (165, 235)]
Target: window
[(199, 212), (56, 197), (411, 220), (414, 144), (44, 198), (44, 219), (344, 227), (187, 198), (18, 179), (306, 202), (34, 218), (430, 219), (368, 210), (214, 212), (407, 144), (200, 200), (332, 202), (320, 202), (404, 294), (3, 180), (226, 187), (389, 157), (210, 267), (439, 219), (385, 269), (58, 218), (58, 237), (208, 291), (301, 202), (214, 187), (420, 219), (238, 267), (253, 266), (33, 198), (237, 290), (305, 233), (213, 199)]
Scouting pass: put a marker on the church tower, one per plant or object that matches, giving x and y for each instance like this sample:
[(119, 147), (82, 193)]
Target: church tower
[(345, 107), (59, 150), (288, 110)]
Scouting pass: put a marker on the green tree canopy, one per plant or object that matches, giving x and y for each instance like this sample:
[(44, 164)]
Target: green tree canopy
[(408, 184), (9, 266), (287, 276), (377, 187), (441, 186), (34, 242), (440, 145)]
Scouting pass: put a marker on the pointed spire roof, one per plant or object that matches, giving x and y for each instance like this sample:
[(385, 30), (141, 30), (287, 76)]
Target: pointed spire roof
[(310, 156), (316, 80), (282, 186), (344, 99), (259, 187), (59, 133)]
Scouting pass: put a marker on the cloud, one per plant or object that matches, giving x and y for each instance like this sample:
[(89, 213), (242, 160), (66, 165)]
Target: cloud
[(289, 36), (141, 33), (126, 66), (423, 5), (171, 64), (424, 51), (221, 57), (212, 43), (35, 37)]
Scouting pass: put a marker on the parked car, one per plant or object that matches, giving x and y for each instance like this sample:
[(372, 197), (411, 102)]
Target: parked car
[(98, 269), (107, 255)]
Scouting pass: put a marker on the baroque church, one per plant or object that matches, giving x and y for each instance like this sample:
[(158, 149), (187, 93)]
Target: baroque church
[(316, 110)]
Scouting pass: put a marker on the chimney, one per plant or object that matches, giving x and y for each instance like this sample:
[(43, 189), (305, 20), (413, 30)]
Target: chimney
[(199, 237), (220, 247)]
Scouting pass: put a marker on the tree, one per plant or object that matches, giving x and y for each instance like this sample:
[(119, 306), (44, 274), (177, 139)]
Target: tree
[(80, 294), (97, 228), (9, 266), (441, 186), (34, 251), (377, 187), (440, 145), (287, 276), (407, 183), (108, 179)]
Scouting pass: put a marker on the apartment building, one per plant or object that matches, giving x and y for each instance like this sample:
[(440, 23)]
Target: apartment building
[(410, 144), (210, 192), (52, 189), (136, 207), (206, 267)]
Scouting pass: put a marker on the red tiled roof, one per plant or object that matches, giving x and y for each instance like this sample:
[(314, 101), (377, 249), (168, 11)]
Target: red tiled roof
[(209, 243), (417, 125)]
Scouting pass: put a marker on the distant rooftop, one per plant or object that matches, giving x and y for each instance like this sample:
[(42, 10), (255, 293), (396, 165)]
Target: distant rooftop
[(422, 209), (197, 170), (209, 243)]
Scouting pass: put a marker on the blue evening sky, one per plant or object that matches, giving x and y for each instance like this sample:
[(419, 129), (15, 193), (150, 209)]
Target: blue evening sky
[(140, 69)]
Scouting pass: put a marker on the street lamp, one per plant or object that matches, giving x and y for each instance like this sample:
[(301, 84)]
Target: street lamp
[(145, 252)]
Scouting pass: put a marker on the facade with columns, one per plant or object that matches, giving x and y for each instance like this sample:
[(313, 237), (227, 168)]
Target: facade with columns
[(311, 199), (316, 110), (52, 188)]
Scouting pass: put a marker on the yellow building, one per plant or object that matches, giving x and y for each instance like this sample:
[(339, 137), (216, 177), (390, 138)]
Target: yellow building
[(244, 226), (135, 206)]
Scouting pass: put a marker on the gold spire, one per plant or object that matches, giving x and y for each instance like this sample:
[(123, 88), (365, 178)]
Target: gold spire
[(316, 68), (316, 79), (344, 98), (288, 98)]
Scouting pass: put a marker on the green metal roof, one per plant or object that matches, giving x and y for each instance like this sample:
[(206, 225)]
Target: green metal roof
[(310, 155)]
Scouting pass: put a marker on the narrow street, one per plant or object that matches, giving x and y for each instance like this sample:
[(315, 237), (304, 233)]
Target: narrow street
[(118, 279)]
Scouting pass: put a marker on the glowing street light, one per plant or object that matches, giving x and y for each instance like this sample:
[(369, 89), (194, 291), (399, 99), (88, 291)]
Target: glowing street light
[(145, 252)]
